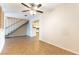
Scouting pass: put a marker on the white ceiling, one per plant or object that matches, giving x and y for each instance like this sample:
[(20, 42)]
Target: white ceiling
[(16, 8)]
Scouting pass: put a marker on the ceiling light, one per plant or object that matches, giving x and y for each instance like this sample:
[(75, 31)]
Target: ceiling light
[(32, 12), (35, 8)]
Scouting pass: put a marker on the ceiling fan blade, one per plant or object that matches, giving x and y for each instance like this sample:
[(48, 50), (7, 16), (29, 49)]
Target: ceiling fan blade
[(39, 11), (25, 5), (39, 5), (25, 10)]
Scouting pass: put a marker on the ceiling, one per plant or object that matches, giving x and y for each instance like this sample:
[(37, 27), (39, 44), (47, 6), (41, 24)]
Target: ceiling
[(16, 8)]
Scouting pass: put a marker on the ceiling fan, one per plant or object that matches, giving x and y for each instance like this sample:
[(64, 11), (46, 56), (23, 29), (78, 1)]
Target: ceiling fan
[(33, 8)]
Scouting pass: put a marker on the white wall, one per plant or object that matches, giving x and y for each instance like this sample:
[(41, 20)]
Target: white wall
[(61, 27), (2, 39), (15, 14), (30, 31), (10, 21)]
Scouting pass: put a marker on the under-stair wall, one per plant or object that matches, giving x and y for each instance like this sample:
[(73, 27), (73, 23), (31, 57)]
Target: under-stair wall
[(12, 23)]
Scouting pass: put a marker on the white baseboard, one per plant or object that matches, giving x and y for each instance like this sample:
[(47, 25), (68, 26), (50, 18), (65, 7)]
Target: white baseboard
[(61, 47)]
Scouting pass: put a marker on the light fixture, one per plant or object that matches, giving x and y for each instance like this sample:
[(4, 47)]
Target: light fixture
[(32, 12), (33, 8)]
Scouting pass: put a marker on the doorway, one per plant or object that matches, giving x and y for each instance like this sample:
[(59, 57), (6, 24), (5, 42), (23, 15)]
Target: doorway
[(36, 27)]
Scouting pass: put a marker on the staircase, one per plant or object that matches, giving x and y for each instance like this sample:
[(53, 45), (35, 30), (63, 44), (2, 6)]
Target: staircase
[(13, 26)]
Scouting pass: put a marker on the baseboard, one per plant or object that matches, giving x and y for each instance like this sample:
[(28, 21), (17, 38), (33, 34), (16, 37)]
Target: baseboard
[(19, 36), (61, 47)]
